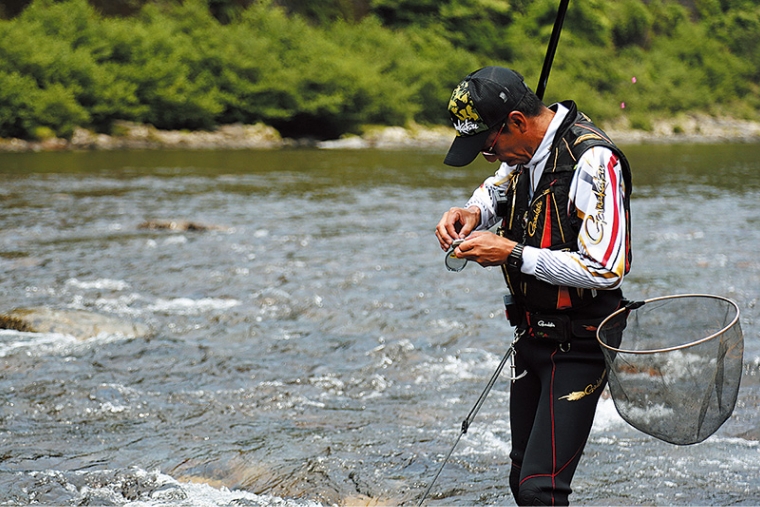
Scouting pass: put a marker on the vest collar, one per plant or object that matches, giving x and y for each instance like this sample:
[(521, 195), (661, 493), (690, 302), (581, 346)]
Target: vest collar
[(570, 119)]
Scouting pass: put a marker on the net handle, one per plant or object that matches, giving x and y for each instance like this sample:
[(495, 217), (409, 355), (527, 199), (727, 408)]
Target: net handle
[(669, 349)]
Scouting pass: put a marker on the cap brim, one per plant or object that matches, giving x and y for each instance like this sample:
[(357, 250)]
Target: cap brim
[(464, 149)]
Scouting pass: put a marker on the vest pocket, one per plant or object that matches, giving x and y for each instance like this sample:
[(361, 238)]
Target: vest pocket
[(556, 328)]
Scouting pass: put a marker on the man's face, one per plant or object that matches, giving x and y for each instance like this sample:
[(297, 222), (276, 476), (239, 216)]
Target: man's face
[(509, 145)]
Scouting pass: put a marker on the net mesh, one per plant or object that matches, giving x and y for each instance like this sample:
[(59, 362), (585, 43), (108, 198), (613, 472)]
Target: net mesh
[(674, 364)]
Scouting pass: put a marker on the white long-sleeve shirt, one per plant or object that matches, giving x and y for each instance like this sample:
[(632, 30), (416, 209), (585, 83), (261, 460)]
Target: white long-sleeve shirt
[(596, 192)]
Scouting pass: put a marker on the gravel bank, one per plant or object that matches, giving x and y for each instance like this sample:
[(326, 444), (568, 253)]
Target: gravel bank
[(686, 129)]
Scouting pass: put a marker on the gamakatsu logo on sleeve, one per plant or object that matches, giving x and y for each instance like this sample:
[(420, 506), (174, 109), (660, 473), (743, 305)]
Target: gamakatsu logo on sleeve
[(594, 223)]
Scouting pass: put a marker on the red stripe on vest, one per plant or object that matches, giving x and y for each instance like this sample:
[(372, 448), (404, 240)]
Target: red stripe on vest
[(546, 236)]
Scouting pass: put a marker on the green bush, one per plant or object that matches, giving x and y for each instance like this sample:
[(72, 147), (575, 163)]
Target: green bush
[(631, 23), (56, 107), (165, 62), (17, 117), (56, 46), (739, 30)]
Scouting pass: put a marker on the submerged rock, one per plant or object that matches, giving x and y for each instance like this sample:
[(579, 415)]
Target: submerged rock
[(77, 323), (178, 225)]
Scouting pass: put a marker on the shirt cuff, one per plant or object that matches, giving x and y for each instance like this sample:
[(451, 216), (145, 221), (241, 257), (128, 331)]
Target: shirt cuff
[(529, 260)]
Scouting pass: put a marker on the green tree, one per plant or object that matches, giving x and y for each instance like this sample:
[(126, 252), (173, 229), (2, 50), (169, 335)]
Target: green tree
[(325, 69)]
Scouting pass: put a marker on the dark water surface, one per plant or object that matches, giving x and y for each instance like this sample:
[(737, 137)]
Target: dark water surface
[(310, 348)]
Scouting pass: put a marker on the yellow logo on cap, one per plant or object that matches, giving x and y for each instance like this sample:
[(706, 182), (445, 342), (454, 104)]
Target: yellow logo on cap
[(467, 121)]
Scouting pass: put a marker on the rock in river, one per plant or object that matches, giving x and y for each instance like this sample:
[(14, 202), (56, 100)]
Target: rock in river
[(77, 323)]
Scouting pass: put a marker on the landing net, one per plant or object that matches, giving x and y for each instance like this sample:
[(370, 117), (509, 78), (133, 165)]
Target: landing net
[(674, 364)]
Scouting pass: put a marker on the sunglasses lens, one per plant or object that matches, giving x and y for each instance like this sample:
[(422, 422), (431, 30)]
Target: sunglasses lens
[(454, 263)]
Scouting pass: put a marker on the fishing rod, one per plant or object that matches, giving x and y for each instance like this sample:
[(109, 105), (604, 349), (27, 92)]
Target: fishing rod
[(540, 89), (551, 48)]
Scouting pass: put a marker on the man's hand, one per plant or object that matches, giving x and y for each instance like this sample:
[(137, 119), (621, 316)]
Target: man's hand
[(485, 248), (457, 223)]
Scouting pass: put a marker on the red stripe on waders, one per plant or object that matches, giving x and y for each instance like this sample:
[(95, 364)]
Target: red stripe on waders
[(555, 471), (554, 433)]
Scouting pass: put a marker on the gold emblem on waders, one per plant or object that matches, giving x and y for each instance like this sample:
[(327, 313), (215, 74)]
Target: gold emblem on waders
[(578, 395)]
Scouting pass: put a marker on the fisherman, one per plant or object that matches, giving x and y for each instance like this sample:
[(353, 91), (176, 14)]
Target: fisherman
[(562, 194)]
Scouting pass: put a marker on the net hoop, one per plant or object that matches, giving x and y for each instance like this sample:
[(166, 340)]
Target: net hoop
[(678, 377), (668, 349)]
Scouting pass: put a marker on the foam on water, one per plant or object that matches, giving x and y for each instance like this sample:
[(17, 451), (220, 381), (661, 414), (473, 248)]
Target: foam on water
[(136, 487), (101, 283), (467, 364), (187, 306), (41, 344), (491, 440), (13, 342), (649, 414), (607, 417)]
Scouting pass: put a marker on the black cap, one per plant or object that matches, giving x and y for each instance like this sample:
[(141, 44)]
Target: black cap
[(480, 102)]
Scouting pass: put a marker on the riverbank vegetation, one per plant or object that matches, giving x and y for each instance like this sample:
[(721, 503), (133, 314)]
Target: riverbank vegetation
[(324, 69)]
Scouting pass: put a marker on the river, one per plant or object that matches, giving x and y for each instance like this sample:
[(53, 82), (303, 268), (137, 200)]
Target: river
[(309, 347)]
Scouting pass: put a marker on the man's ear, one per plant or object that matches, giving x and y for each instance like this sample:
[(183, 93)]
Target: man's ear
[(517, 120)]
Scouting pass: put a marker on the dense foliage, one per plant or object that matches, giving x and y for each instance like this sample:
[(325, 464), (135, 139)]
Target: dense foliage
[(330, 69)]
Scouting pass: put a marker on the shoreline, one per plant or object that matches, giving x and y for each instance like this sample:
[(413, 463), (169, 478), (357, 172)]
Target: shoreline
[(690, 129)]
